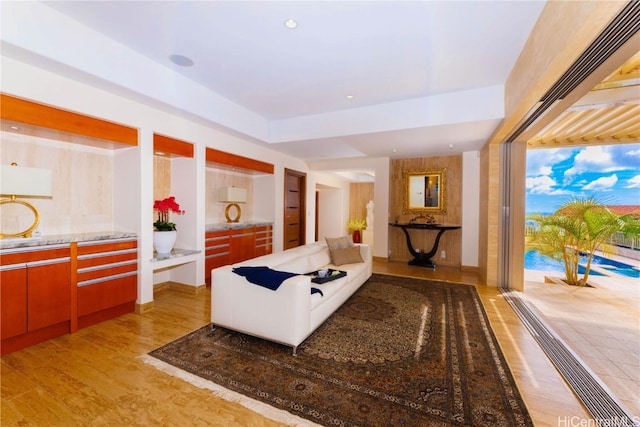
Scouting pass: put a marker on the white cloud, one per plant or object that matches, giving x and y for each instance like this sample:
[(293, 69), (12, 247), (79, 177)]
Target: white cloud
[(544, 184), (633, 153), (633, 182), (541, 162), (592, 159), (605, 183)]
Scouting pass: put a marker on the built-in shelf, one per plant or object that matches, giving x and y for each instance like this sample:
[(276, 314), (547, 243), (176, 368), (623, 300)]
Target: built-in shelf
[(175, 258)]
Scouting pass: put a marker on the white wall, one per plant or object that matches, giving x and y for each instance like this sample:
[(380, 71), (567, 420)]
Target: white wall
[(136, 171), (380, 166), (334, 205), (470, 207), (330, 216)]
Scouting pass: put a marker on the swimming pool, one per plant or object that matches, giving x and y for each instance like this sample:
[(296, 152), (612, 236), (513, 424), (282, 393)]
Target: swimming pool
[(615, 266), (534, 260)]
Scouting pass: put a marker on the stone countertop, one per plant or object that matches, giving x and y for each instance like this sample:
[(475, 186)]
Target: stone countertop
[(64, 238), (236, 225)]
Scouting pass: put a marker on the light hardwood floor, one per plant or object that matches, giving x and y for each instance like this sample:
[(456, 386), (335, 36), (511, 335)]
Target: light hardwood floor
[(94, 377)]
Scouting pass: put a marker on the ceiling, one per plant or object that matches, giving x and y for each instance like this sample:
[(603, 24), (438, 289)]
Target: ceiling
[(608, 114), (406, 63), (426, 77)]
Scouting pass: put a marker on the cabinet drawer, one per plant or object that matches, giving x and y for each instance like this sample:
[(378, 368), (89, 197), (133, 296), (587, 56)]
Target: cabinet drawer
[(214, 250), (97, 246), (106, 271), (102, 258), (103, 295), (35, 253)]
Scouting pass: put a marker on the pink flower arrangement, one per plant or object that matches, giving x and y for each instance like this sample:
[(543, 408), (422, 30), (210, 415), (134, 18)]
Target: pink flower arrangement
[(163, 207)]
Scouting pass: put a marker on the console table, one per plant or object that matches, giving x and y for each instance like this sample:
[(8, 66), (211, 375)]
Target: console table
[(423, 259)]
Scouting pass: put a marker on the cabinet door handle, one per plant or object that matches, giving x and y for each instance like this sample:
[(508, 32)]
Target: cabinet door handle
[(48, 261), (106, 278), (109, 253), (13, 266)]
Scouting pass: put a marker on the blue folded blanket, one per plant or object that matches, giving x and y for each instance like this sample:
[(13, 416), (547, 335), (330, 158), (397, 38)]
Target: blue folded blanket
[(264, 276)]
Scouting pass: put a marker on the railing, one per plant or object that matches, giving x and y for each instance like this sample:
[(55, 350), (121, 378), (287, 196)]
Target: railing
[(629, 241), (619, 239)]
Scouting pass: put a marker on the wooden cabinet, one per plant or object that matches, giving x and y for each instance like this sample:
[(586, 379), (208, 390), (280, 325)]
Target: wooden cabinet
[(242, 245), (35, 292), (217, 247), (13, 300), (226, 247), (264, 240), (48, 291), (107, 280)]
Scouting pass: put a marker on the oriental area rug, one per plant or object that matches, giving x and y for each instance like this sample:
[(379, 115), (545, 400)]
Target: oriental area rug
[(399, 352)]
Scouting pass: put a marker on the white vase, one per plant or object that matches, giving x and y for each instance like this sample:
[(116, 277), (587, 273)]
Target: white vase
[(163, 241)]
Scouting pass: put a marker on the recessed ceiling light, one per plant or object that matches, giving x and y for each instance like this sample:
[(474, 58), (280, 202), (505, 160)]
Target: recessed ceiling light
[(14, 127), (181, 60), (394, 150), (291, 24), (450, 146), (349, 96)]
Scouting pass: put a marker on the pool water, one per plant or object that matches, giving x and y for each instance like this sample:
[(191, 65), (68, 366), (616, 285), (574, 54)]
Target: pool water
[(534, 260), (615, 266)]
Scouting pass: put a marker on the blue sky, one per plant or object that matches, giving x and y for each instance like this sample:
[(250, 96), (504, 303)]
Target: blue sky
[(608, 172)]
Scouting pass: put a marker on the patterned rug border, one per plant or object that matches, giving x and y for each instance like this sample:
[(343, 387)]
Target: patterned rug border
[(510, 386), (264, 409)]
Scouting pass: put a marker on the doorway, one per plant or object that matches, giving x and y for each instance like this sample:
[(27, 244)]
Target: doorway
[(295, 184)]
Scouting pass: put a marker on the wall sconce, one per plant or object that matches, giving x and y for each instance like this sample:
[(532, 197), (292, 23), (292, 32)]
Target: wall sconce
[(233, 196), (17, 181)]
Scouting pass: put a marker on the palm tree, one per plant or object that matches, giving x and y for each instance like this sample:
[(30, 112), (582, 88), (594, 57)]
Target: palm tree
[(579, 228)]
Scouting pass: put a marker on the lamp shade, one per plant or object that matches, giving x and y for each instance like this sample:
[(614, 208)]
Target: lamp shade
[(232, 195), (25, 182)]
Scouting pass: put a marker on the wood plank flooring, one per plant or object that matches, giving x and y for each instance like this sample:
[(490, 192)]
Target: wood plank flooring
[(94, 377)]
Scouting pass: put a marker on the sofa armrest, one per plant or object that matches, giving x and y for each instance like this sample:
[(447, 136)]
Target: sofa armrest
[(281, 315), (367, 257)]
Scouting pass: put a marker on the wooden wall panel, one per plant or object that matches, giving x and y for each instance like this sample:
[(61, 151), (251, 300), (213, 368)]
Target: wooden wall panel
[(451, 241), (359, 195)]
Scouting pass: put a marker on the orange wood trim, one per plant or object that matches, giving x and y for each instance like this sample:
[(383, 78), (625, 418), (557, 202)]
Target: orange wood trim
[(221, 157), (107, 314), (170, 145), (74, 287), (23, 111), (31, 338)]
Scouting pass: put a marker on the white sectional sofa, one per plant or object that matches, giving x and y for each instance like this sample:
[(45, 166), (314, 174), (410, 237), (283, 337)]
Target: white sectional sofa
[(289, 314)]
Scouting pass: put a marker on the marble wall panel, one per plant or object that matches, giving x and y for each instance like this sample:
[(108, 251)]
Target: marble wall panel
[(82, 185)]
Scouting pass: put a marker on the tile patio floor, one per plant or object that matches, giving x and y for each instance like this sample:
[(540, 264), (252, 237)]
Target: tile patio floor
[(601, 325)]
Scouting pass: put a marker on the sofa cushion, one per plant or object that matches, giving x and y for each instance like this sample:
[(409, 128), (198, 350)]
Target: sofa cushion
[(319, 260), (339, 242), (350, 255), (298, 265)]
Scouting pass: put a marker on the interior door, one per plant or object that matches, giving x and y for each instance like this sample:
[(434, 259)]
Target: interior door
[(295, 184)]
